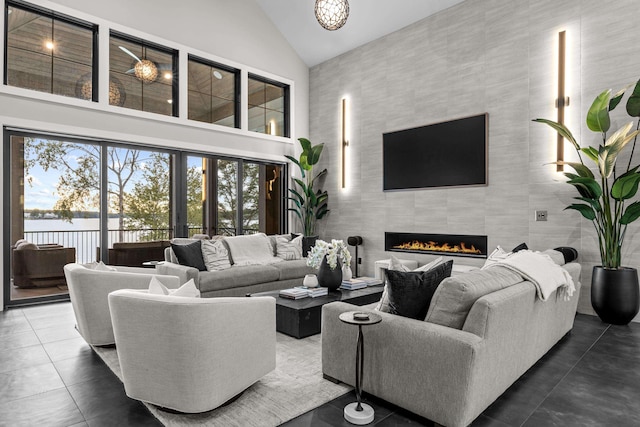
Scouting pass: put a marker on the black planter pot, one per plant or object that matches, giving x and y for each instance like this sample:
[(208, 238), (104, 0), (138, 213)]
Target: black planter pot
[(328, 278), (615, 295)]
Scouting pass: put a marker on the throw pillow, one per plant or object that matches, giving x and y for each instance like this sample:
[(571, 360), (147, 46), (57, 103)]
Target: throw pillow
[(188, 290), (289, 249), (520, 247), (101, 266), (253, 249), (396, 265), (190, 255), (497, 255), (410, 293), (569, 253), (215, 255)]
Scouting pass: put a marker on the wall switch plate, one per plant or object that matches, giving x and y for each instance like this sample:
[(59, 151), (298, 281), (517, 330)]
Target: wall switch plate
[(541, 215)]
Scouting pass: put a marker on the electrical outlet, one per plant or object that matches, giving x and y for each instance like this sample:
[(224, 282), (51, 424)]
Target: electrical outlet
[(541, 215)]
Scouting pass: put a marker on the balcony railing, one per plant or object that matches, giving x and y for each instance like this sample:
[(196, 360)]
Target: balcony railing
[(86, 241)]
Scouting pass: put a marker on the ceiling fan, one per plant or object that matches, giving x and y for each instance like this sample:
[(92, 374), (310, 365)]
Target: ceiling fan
[(146, 70)]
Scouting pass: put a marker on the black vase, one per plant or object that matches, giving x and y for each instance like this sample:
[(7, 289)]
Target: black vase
[(328, 278), (615, 295)]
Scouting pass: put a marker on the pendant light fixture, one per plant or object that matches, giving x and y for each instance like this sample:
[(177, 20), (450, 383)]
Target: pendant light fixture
[(332, 14)]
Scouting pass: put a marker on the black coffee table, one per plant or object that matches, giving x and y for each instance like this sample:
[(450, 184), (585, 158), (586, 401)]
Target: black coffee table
[(302, 318)]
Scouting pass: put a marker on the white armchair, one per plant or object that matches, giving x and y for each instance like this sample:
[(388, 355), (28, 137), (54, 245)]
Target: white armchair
[(89, 288), (192, 354)]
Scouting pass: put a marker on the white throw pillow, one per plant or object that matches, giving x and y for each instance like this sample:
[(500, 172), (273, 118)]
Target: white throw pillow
[(498, 254), (215, 255), (253, 249), (101, 266), (395, 264), (187, 290), (289, 249)]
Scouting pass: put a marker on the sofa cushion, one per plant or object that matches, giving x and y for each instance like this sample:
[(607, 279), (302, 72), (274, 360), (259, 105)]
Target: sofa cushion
[(455, 295), (237, 276), (215, 255), (190, 255), (410, 292), (293, 269)]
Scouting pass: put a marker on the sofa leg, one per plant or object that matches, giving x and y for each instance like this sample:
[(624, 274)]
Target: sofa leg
[(333, 380)]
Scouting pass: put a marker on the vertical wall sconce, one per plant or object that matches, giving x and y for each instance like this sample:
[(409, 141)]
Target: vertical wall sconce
[(345, 142), (562, 100)]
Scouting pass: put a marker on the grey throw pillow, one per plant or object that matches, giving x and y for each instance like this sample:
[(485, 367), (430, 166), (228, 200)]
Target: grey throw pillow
[(190, 255), (410, 292)]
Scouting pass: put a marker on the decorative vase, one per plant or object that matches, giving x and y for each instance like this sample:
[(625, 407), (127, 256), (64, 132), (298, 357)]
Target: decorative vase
[(310, 281), (615, 294), (346, 273), (328, 278), (307, 243)]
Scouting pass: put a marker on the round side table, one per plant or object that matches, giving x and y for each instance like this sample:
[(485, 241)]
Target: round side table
[(357, 412)]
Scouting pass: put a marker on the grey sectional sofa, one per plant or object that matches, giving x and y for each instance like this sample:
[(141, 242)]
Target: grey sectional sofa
[(238, 280), (450, 375)]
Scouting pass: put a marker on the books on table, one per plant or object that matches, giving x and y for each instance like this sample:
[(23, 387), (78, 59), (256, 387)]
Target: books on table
[(371, 281), (294, 293), (303, 292), (317, 292), (353, 284)]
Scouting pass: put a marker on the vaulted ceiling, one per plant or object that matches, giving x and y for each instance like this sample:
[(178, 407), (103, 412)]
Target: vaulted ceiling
[(368, 20)]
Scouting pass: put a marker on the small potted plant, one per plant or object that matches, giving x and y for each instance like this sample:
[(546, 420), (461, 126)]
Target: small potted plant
[(329, 258)]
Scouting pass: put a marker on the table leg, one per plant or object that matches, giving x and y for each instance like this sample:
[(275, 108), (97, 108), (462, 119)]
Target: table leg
[(359, 360), (357, 412)]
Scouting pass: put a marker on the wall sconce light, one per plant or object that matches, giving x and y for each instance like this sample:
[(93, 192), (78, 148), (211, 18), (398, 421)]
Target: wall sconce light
[(345, 142), (562, 100)]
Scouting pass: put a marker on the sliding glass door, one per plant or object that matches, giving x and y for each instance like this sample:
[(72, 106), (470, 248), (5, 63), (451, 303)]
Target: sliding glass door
[(54, 202), (82, 200)]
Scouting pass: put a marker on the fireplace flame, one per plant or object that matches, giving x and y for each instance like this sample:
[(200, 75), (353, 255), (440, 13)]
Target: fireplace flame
[(416, 245)]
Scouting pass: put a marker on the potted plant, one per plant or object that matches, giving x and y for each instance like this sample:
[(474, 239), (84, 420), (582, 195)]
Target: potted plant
[(309, 204), (328, 258), (606, 201)]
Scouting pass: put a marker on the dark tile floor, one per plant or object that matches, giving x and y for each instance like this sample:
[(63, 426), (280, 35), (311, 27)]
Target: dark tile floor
[(49, 376)]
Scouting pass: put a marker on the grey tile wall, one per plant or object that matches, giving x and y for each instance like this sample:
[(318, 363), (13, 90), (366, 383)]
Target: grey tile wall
[(494, 56)]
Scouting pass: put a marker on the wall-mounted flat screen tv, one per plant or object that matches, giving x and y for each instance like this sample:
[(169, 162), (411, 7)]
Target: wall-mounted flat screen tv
[(451, 153)]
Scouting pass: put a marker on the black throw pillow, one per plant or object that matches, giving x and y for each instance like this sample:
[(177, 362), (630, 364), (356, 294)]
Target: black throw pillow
[(190, 255), (410, 292), (569, 254), (520, 247)]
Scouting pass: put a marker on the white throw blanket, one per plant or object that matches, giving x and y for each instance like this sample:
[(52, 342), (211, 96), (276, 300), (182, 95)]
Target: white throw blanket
[(539, 269), (252, 249)]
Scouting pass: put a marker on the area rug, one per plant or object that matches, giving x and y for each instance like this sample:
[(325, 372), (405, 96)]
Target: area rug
[(293, 388)]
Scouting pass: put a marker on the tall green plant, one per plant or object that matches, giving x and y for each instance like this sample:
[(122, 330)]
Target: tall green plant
[(309, 204), (605, 198)]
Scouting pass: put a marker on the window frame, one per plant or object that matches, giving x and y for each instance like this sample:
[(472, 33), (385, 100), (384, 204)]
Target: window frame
[(286, 95), (175, 54), (237, 93), (61, 17)]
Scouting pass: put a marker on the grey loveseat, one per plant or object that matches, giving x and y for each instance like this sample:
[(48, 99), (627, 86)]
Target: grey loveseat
[(445, 374), (238, 280)]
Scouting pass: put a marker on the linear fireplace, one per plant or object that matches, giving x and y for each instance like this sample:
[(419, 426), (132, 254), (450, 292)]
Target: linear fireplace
[(437, 244)]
